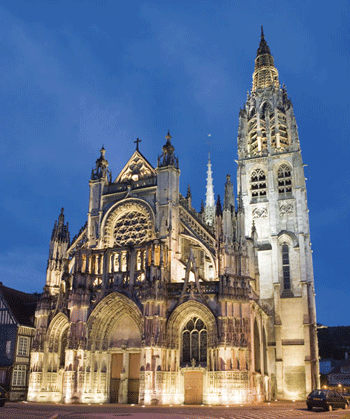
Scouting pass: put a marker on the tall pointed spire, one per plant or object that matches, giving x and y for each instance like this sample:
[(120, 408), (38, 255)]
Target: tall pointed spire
[(265, 73), (209, 211)]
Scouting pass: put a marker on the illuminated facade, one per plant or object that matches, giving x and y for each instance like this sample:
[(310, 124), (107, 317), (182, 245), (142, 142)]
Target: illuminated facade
[(155, 303)]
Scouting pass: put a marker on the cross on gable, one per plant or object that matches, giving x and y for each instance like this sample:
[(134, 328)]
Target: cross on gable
[(137, 143)]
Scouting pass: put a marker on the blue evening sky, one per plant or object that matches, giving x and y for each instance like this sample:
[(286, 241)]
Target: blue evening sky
[(78, 74)]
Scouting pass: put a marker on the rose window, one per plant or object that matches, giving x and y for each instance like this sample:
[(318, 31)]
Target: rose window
[(131, 228)]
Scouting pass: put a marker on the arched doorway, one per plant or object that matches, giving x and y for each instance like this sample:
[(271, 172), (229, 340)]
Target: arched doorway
[(115, 336), (125, 347)]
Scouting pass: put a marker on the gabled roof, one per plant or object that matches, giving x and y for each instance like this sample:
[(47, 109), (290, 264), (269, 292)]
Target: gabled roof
[(21, 304), (136, 168), (338, 368)]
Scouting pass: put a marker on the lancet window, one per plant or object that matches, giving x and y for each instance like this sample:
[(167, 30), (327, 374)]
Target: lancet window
[(62, 348), (253, 135), (282, 127), (194, 341), (278, 130), (284, 179), (285, 266), (258, 183), (263, 115)]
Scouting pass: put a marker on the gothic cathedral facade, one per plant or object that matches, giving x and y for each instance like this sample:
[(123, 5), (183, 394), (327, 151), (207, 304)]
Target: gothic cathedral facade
[(153, 302)]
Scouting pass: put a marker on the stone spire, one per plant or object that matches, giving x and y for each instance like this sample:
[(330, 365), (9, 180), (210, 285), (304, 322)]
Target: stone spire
[(218, 207), (209, 211), (265, 74), (60, 232), (229, 199), (57, 254), (168, 158)]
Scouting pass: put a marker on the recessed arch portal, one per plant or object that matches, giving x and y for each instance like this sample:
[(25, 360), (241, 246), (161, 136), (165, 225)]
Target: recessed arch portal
[(183, 313), (58, 326), (109, 314)]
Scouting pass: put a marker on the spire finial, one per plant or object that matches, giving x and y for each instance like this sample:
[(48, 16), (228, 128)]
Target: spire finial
[(168, 137), (265, 73)]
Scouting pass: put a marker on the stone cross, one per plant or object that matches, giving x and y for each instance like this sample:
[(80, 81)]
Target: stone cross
[(137, 143)]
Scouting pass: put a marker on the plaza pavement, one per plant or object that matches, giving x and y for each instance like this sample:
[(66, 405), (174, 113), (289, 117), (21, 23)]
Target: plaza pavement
[(278, 410)]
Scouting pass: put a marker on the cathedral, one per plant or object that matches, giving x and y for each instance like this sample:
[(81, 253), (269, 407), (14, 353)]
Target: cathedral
[(153, 302)]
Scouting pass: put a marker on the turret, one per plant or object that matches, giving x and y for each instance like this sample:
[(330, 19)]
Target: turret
[(228, 211), (167, 198), (100, 176), (57, 254)]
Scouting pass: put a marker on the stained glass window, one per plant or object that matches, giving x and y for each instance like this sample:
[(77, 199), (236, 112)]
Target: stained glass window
[(194, 341)]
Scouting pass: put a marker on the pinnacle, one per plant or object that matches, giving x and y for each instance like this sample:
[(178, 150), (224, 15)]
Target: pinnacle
[(263, 47)]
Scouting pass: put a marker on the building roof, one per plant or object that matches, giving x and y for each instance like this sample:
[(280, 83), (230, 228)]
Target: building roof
[(338, 368), (21, 304)]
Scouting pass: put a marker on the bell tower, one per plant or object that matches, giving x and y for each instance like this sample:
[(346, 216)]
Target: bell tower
[(273, 191)]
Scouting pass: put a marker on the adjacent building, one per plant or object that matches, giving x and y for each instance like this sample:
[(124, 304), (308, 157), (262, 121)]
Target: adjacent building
[(153, 302), (17, 313)]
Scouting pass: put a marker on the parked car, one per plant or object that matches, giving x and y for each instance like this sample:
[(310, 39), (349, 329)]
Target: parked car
[(346, 396), (327, 399), (3, 397)]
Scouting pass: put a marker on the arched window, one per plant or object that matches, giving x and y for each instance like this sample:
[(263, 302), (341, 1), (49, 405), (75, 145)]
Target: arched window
[(265, 352), (285, 266), (253, 135), (62, 348), (284, 178), (194, 341), (258, 183), (257, 361)]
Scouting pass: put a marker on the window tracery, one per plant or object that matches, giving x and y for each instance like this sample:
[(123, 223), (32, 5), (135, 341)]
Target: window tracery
[(258, 183), (284, 179), (194, 341), (131, 228)]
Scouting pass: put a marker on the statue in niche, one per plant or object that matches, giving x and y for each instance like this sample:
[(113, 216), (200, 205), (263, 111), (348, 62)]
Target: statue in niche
[(116, 263), (138, 261), (83, 262), (124, 262)]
